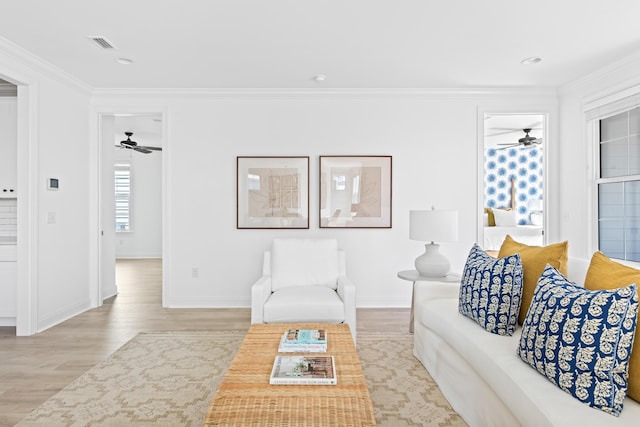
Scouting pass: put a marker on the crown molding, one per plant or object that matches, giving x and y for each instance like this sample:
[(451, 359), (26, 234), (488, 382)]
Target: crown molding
[(284, 93), (602, 77), (33, 62)]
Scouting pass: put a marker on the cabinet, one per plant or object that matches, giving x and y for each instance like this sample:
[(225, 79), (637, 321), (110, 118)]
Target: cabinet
[(8, 147), (8, 285)]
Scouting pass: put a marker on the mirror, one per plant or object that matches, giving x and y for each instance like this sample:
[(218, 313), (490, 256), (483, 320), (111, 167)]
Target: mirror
[(512, 177)]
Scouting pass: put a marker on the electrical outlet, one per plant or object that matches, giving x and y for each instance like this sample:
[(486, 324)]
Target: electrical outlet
[(51, 217), (195, 272)]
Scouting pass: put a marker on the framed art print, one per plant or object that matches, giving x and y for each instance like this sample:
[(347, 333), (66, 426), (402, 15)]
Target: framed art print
[(355, 191), (272, 192)]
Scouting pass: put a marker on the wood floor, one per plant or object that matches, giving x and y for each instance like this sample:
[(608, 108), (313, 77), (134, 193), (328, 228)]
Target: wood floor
[(32, 369)]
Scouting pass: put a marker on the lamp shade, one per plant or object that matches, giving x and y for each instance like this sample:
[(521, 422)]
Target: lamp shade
[(433, 225)]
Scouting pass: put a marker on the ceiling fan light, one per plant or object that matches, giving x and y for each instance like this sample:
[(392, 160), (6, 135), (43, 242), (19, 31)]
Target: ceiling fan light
[(124, 61)]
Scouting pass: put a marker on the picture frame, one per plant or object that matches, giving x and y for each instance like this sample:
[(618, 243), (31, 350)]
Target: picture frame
[(272, 192), (355, 191)]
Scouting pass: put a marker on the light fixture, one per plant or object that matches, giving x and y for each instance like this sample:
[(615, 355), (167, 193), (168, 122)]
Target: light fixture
[(124, 61), (531, 60), (433, 225), (319, 78)]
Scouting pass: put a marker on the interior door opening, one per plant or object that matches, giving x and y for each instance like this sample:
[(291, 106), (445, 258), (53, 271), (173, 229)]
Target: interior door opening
[(131, 196), (513, 179)]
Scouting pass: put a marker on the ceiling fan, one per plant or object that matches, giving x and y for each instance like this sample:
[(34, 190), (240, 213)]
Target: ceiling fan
[(525, 141), (132, 145)]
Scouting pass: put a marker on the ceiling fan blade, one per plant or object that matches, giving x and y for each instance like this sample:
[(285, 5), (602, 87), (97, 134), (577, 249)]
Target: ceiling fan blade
[(142, 150), (150, 148), (501, 132)]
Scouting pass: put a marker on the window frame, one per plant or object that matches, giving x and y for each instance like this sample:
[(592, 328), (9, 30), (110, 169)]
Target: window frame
[(614, 106), (128, 166)]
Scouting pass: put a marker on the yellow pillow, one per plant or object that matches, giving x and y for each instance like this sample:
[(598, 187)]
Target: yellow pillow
[(534, 260), (603, 273), (491, 217)]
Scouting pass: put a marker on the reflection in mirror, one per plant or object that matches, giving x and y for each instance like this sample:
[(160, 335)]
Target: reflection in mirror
[(513, 190)]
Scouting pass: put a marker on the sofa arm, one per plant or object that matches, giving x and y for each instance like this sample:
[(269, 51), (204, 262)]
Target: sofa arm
[(347, 292), (436, 290), (260, 292)]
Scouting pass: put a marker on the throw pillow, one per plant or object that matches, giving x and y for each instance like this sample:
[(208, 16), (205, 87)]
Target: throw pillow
[(490, 218), (603, 273), (534, 260), (490, 291), (580, 339), (505, 218)]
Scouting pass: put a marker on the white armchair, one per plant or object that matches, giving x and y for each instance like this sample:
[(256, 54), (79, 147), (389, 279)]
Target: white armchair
[(304, 281)]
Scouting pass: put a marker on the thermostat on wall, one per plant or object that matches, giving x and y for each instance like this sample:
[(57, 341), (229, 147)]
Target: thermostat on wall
[(53, 184)]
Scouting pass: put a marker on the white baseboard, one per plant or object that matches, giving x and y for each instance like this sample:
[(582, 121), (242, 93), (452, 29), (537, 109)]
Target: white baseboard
[(63, 315), (210, 302), (7, 321), (196, 302), (154, 256)]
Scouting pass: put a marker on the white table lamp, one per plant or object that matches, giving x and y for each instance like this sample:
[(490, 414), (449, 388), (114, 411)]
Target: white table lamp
[(433, 226)]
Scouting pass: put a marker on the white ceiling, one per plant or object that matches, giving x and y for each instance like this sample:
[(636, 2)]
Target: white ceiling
[(355, 43), (501, 129)]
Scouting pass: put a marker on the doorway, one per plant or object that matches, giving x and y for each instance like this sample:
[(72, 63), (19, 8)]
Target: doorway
[(513, 179), (131, 160)]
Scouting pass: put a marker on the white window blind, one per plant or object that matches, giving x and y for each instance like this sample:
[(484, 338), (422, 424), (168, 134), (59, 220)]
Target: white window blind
[(122, 178), (618, 185)]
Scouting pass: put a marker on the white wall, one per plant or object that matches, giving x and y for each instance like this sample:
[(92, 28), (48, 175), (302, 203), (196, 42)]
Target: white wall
[(145, 239), (54, 261), (433, 141), (576, 172)]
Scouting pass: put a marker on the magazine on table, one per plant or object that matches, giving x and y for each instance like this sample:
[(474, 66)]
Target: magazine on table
[(303, 370), (286, 347), (306, 336)]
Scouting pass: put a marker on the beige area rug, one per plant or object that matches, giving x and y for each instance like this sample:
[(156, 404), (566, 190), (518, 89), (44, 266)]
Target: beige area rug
[(168, 379)]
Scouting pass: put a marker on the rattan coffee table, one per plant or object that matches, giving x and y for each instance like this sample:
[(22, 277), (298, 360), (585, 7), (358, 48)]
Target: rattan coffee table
[(245, 397)]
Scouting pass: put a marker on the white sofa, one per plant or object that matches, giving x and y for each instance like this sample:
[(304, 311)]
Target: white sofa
[(483, 378)]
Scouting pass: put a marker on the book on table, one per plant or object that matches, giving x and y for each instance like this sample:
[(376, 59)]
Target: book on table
[(306, 336), (290, 346), (303, 370)]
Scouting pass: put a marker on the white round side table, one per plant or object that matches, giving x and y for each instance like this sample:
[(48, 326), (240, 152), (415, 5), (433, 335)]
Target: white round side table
[(414, 276)]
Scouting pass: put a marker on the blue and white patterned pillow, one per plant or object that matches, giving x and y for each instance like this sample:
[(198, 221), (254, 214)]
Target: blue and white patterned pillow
[(580, 339), (491, 291)]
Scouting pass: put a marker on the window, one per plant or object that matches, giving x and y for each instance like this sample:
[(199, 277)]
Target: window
[(122, 177), (618, 185)]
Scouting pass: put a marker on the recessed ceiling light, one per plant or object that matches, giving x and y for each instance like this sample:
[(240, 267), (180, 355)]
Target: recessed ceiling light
[(320, 78), (124, 61), (531, 60)]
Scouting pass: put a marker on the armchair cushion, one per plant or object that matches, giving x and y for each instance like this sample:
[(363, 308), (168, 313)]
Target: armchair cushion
[(319, 304), (304, 262)]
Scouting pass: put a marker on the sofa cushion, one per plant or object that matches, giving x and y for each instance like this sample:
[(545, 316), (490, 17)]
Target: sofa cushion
[(318, 304), (604, 273), (580, 339), (534, 260), (491, 290), (304, 262), (492, 358)]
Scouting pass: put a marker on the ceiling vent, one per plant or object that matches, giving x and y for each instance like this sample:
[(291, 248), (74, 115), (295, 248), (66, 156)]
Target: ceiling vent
[(102, 42)]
